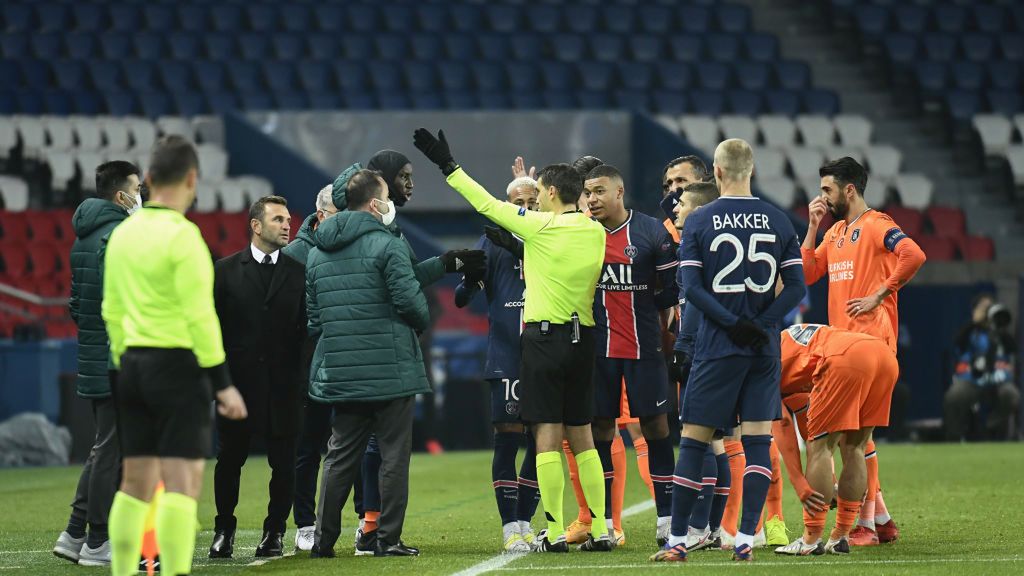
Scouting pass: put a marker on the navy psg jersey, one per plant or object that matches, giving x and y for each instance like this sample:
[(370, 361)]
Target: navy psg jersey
[(636, 281)]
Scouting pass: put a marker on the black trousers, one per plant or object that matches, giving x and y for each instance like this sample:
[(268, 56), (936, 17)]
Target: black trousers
[(101, 473), (232, 452), (316, 430)]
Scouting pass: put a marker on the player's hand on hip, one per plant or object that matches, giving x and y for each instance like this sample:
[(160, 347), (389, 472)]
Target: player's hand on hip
[(813, 501), (231, 405), (860, 306), (816, 210), (434, 148)]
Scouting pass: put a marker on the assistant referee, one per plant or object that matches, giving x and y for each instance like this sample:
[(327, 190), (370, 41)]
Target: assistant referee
[(563, 256), (165, 339)]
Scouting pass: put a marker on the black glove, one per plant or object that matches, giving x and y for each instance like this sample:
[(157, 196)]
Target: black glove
[(681, 364), (435, 149), (474, 275), (472, 262), (504, 239), (746, 334)]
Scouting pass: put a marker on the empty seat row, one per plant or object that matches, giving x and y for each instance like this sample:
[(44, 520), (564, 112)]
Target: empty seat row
[(943, 17), (996, 131), (114, 135), (964, 105), (906, 48), (937, 77), (231, 194), (777, 131), (37, 226)]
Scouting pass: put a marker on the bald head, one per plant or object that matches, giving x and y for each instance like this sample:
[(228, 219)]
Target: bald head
[(734, 160)]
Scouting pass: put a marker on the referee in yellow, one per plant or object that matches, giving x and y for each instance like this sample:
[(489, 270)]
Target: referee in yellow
[(165, 340), (563, 256)]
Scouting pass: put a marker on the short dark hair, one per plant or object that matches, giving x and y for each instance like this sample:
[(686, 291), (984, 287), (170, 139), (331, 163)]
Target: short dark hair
[(584, 164), (705, 192), (113, 176), (605, 171), (259, 208), (567, 181), (846, 170), (362, 186), (699, 167), (172, 158)]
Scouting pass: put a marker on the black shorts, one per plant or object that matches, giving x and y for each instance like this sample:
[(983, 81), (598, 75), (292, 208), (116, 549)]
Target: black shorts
[(646, 387), (504, 400), (163, 404), (556, 376)]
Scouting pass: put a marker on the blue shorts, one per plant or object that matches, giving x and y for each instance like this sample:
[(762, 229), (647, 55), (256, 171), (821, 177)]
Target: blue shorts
[(504, 400), (646, 387), (725, 391)]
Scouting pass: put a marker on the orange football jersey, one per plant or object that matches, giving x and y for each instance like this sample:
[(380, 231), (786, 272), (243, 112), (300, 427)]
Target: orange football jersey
[(804, 346)]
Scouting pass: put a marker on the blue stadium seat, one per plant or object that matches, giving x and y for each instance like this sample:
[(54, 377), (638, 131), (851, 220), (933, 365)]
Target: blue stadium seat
[(694, 19), (105, 74), (314, 76), (1003, 75), (17, 17), (819, 101), (950, 18), (733, 18), (52, 17), (79, 46), (465, 17), (36, 74), (427, 101), (351, 76), (722, 47), (10, 69), (901, 48), (85, 102), (631, 100), (645, 48), (391, 46), (785, 102), (527, 101), (192, 17), (911, 18), (148, 46), (963, 105), (454, 76), (261, 17), (494, 101), (120, 103), (544, 18), (674, 76), (707, 102), (255, 101), (568, 47), (279, 76), (287, 46), (209, 75), (226, 17), (522, 76), (385, 76), (244, 76), (158, 17), (636, 75), (295, 17), (667, 102), (89, 17), (57, 102), (967, 75), (324, 101), (432, 17), (745, 102), (580, 19), (495, 46), (460, 47), (761, 47), (558, 100), (393, 101), (420, 76), (115, 46), (357, 47), (607, 48), (714, 76), (139, 74), (687, 48), (46, 46), (940, 47), (618, 19), (978, 47), (362, 17), (426, 47), (989, 18), (931, 77), (8, 102), (558, 76), (461, 101), (591, 100), (529, 49), (69, 74), (753, 75), (1012, 46), (504, 18), (14, 46), (175, 75), (254, 46), (359, 101), (595, 76), (29, 102), (184, 46), (488, 76), (221, 102), (400, 18), (323, 46), (1005, 102), (154, 103), (220, 47), (654, 19), (189, 103), (125, 19), (290, 100), (328, 17)]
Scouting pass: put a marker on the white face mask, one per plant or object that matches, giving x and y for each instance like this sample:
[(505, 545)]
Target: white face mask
[(138, 204), (389, 217)]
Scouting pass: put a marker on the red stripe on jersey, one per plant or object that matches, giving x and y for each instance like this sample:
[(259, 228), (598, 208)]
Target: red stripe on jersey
[(622, 337)]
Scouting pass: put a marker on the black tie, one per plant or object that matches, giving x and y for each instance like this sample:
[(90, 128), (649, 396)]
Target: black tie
[(267, 259)]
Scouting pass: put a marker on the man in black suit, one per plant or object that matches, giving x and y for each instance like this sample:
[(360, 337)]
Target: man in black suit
[(260, 303)]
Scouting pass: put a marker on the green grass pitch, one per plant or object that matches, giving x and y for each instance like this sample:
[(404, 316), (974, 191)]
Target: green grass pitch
[(957, 507)]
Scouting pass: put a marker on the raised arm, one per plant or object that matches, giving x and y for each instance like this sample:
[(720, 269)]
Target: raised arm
[(815, 260)]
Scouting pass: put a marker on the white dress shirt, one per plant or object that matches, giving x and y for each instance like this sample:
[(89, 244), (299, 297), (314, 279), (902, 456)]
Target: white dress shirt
[(258, 254)]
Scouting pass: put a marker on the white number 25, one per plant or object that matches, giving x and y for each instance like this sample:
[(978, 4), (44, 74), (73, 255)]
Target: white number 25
[(753, 255)]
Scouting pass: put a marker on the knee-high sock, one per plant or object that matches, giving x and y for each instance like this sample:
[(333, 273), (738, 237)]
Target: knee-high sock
[(592, 481), (846, 516), (574, 476), (867, 511), (551, 480), (756, 478), (722, 488), (642, 464), (529, 493), (737, 464), (618, 481), (814, 525), (125, 525), (687, 486), (604, 452), (700, 517), (503, 475), (176, 532), (662, 465), (773, 503)]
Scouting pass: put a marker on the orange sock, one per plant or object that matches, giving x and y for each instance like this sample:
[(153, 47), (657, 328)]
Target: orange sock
[(814, 525), (880, 510), (640, 445), (773, 504), (846, 516), (370, 520), (868, 510), (574, 477), (737, 464), (618, 481)]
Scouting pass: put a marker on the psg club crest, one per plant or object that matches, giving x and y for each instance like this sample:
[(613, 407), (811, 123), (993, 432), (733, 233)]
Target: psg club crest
[(630, 251), (512, 407), (855, 236)]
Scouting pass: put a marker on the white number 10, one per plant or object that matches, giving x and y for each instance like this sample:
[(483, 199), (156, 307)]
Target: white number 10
[(753, 255)]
